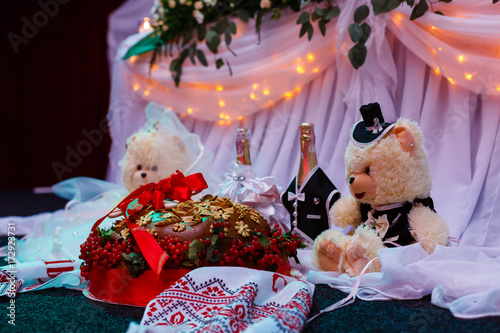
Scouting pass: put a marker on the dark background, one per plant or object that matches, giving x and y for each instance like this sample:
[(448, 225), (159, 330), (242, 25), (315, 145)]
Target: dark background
[(54, 91)]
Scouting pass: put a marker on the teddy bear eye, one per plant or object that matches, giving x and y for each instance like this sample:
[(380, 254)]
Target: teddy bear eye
[(367, 170), (139, 167), (154, 168)]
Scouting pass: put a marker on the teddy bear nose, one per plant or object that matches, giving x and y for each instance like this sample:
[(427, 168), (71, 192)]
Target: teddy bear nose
[(351, 180), (143, 175)]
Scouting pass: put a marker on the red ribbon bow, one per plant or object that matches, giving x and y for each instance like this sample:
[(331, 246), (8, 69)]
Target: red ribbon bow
[(176, 187)]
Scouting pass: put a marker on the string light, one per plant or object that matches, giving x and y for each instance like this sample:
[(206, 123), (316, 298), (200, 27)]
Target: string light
[(451, 80), (136, 87), (255, 86), (437, 71), (222, 103), (145, 25), (189, 110), (146, 92), (221, 115), (266, 92), (310, 57), (240, 118), (219, 88), (132, 59), (288, 94), (433, 28), (252, 96), (498, 88), (461, 58), (468, 76), (300, 70), (297, 89), (315, 70)]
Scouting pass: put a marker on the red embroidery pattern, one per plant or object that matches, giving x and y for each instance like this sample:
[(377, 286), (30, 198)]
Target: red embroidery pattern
[(210, 306)]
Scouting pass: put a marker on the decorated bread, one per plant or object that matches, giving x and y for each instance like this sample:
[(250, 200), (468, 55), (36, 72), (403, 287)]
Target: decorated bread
[(158, 233)]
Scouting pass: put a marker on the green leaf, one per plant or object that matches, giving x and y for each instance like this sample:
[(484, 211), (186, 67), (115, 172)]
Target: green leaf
[(438, 12), (174, 64), (187, 37), (221, 25), (320, 12), (148, 43), (410, 2), (201, 57), (384, 6), (227, 35), (306, 27), (322, 27), (303, 18), (219, 63), (135, 263), (332, 13), (201, 30), (212, 40), (177, 76), (452, 0), (357, 55), (195, 247), (355, 32), (243, 15), (263, 240), (192, 52), (419, 10), (232, 27), (495, 1), (366, 32), (361, 13), (210, 253)]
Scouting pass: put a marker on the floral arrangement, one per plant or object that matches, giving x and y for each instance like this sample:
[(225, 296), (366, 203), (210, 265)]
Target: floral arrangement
[(185, 23)]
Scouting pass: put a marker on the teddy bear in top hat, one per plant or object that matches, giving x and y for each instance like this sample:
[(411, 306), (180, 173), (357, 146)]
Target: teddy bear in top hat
[(388, 176)]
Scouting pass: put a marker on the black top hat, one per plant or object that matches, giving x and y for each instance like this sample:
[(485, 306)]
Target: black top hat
[(372, 128)]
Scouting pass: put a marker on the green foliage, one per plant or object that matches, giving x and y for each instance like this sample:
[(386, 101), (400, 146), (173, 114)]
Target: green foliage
[(135, 263), (184, 26)]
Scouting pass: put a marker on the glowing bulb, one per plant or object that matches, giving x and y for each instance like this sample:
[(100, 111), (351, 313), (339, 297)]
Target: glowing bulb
[(255, 86), (297, 89), (222, 103), (221, 122), (310, 57), (451, 80), (221, 115), (145, 25), (219, 88), (227, 117), (315, 70), (440, 48), (433, 28), (468, 76), (240, 117), (252, 96), (300, 70), (498, 88), (189, 110), (136, 87), (437, 71), (146, 92), (288, 94), (266, 92), (132, 59), (461, 58)]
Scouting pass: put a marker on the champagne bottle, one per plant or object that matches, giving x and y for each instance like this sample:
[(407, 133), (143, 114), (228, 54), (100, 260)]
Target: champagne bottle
[(308, 159), (243, 146)]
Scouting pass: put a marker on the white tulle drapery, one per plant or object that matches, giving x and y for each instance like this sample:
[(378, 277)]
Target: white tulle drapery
[(442, 71)]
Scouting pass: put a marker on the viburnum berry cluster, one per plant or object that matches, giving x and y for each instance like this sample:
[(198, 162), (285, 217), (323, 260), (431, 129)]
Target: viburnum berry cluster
[(104, 249)]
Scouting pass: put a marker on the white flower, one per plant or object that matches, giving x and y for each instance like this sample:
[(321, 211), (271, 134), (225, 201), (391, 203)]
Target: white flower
[(182, 2), (265, 4), (171, 3), (198, 16), (198, 5), (210, 2)]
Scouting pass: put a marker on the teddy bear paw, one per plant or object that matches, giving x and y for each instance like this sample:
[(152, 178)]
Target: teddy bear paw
[(356, 258), (329, 255)]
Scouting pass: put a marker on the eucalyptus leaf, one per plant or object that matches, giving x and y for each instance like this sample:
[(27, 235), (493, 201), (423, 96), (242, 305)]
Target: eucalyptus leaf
[(322, 27), (320, 11), (410, 2), (361, 13), (148, 43), (201, 57), (355, 32), (174, 64), (419, 10), (310, 30), (384, 6), (192, 52), (187, 37), (213, 40), (357, 55), (495, 1), (195, 247), (366, 32), (243, 15), (201, 30), (303, 18), (263, 240), (439, 12), (135, 263), (452, 0), (219, 63), (332, 13), (232, 27), (227, 37)]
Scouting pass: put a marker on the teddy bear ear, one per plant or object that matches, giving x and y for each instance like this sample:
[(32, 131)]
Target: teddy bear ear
[(405, 137), (178, 142)]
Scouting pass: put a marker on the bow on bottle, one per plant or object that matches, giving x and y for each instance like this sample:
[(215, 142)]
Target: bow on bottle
[(176, 187)]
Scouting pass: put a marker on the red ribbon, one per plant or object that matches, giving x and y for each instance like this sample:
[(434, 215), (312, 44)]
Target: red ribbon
[(176, 187)]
